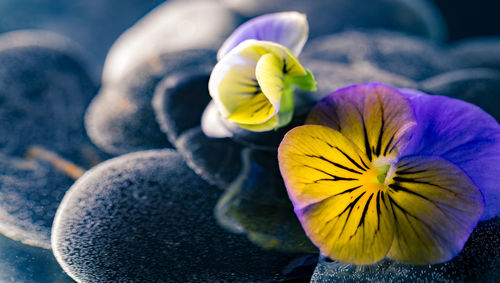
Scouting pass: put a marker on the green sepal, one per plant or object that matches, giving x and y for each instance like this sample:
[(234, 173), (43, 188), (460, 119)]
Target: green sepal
[(307, 82)]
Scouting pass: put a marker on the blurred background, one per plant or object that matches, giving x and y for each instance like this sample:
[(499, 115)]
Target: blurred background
[(96, 24)]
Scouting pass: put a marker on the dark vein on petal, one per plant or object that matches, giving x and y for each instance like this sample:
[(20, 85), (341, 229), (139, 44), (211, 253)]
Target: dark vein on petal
[(405, 213), (259, 109), (367, 142), (333, 163), (399, 188), (352, 160), (416, 218), (348, 190), (350, 207), (379, 212), (334, 178), (381, 131), (388, 144), (405, 172), (409, 180)]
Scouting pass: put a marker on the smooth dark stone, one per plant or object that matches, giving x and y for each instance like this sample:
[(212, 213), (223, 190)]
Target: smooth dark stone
[(180, 100), (23, 263), (332, 76), (30, 192), (408, 56), (478, 86), (121, 118), (216, 160), (147, 217), (95, 24), (482, 52), (257, 205), (420, 17), (479, 261), (43, 94), (173, 26)]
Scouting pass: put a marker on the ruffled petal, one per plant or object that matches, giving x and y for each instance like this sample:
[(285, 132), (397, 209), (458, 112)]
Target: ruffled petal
[(376, 117), (289, 29), (248, 85), (463, 134), (435, 207), (231, 84)]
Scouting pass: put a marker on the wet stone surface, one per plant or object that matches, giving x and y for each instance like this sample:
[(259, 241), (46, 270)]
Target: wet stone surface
[(332, 76), (24, 263), (216, 160), (94, 24), (43, 94), (44, 89), (418, 17), (121, 118), (147, 217), (180, 100), (173, 26), (480, 52), (257, 205), (401, 54), (30, 192)]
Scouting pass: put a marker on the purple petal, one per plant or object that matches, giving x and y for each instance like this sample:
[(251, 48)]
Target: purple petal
[(286, 28), (463, 134), (374, 116)]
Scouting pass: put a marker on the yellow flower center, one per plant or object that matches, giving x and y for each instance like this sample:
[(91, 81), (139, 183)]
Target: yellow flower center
[(379, 175)]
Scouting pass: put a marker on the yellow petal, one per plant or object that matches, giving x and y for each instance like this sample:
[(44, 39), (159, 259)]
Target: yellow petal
[(251, 50), (435, 208), (350, 227), (269, 73), (335, 194), (234, 80), (236, 87), (255, 110), (266, 126), (317, 162), (376, 117)]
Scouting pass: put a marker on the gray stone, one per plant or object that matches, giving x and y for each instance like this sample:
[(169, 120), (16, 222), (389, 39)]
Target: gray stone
[(332, 76), (30, 192), (146, 217), (180, 100), (172, 26), (420, 17), (482, 52), (408, 56), (44, 91), (94, 24), (121, 118), (23, 263), (257, 204), (216, 160)]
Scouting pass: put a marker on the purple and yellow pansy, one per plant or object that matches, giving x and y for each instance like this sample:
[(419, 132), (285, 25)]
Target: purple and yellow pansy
[(252, 85), (381, 172)]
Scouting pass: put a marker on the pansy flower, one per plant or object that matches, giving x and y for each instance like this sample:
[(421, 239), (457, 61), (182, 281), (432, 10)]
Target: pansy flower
[(253, 83), (381, 172)]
